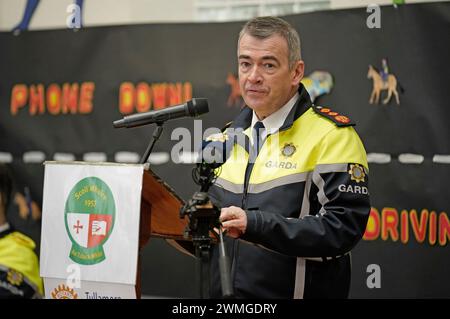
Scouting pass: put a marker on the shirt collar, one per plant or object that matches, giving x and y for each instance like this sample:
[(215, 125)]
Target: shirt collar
[(244, 119), (4, 227), (274, 121)]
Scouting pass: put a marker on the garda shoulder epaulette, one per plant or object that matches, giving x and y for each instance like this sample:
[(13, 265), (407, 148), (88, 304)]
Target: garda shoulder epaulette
[(337, 118)]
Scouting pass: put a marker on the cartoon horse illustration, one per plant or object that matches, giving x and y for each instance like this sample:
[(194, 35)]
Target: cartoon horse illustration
[(380, 85)]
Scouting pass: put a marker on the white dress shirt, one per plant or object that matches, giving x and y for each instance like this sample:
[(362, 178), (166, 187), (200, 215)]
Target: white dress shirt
[(4, 227), (274, 121)]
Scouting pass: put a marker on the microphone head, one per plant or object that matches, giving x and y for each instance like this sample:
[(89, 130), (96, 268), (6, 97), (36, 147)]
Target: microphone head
[(197, 106), (119, 123), (213, 154)]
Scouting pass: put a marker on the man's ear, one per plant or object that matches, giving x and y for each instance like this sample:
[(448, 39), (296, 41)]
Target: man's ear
[(298, 71)]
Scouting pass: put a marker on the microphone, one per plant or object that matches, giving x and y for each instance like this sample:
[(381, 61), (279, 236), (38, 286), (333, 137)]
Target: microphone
[(214, 153), (191, 108), (211, 156)]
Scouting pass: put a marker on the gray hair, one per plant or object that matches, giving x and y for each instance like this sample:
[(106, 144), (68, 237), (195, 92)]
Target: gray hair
[(265, 27)]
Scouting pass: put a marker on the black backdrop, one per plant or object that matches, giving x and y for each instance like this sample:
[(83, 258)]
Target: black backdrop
[(412, 37)]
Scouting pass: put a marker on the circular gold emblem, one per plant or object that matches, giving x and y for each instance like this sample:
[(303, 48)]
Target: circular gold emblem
[(357, 173), (15, 278), (63, 292), (288, 150)]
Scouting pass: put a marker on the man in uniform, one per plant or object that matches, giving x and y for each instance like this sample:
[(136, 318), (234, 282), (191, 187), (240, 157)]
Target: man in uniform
[(298, 203), (19, 266)]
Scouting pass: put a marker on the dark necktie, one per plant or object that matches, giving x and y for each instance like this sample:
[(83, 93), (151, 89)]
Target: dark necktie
[(257, 132)]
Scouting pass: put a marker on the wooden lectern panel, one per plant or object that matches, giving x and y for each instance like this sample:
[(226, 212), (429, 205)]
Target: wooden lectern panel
[(160, 210)]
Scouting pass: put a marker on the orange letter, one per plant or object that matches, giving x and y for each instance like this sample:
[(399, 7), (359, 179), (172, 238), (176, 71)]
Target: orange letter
[(187, 88), (174, 93), (389, 223), (142, 97), (159, 96), (444, 229), (373, 225), (419, 229), (69, 98), (19, 97), (53, 99), (126, 98), (86, 96), (404, 227), (433, 228), (37, 99)]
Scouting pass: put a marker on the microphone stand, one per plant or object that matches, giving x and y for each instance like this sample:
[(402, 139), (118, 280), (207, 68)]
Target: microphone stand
[(156, 134), (203, 218)]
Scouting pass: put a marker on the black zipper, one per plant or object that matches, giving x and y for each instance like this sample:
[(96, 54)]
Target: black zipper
[(248, 171)]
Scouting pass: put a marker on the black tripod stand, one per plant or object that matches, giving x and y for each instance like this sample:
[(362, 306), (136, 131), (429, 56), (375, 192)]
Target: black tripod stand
[(203, 218)]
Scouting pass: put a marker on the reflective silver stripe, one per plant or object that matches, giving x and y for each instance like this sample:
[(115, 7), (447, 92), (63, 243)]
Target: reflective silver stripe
[(320, 183), (300, 270), (330, 168), (24, 278), (299, 289), (304, 211), (326, 258), (285, 180), (322, 198), (3, 268), (229, 186)]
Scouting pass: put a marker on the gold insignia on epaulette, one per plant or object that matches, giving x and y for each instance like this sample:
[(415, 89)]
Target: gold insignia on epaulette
[(357, 173), (219, 137), (14, 277), (342, 119), (333, 115)]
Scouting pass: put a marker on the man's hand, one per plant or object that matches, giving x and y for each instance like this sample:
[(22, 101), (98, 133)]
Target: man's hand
[(234, 221)]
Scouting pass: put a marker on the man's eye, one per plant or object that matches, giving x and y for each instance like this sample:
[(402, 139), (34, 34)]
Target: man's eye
[(269, 66), (245, 64)]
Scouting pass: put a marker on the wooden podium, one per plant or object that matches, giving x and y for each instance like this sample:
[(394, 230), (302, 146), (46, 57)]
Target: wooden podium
[(160, 215)]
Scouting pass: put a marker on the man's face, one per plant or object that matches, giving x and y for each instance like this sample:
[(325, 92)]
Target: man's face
[(265, 79)]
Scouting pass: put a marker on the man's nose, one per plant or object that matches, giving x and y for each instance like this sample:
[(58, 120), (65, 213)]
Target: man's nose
[(254, 75)]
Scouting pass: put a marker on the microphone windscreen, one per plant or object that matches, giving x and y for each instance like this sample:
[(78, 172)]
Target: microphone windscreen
[(197, 106)]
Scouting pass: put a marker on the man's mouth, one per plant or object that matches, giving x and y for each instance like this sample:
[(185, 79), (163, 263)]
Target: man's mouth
[(255, 91)]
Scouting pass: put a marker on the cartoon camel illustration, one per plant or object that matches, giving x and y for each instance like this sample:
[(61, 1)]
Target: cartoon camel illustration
[(379, 85)]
